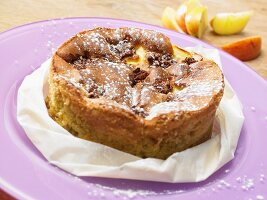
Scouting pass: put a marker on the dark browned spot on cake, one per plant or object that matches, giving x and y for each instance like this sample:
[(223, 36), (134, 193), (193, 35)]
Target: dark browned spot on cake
[(138, 110), (163, 85), (123, 49), (189, 60), (95, 91), (159, 60), (137, 76)]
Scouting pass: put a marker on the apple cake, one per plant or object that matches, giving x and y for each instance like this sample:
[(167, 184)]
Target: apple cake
[(132, 90)]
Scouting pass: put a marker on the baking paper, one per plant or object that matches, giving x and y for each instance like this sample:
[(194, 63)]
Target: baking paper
[(84, 158)]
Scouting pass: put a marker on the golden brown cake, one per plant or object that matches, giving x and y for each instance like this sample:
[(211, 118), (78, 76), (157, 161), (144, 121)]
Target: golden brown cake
[(132, 90)]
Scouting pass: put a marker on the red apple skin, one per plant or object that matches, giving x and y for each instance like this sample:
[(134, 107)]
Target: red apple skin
[(245, 49)]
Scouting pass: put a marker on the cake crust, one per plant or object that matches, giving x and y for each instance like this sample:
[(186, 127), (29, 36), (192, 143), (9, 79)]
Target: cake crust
[(150, 105)]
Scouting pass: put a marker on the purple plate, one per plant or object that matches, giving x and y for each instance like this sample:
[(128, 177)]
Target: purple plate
[(25, 174)]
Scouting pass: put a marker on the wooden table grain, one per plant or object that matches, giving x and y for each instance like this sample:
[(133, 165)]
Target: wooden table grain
[(18, 12)]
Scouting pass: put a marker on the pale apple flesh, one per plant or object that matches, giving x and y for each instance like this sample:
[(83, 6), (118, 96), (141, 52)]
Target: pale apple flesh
[(196, 21), (181, 12), (168, 19), (140, 55), (139, 58), (230, 23), (180, 53)]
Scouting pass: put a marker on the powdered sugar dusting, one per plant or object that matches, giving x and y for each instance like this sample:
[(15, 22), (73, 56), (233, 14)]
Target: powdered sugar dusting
[(147, 88), (130, 193)]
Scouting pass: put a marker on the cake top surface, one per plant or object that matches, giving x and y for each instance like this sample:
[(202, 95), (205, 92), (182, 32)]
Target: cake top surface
[(139, 70)]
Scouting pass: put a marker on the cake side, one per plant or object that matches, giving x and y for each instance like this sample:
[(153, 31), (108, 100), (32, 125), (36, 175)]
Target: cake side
[(176, 97)]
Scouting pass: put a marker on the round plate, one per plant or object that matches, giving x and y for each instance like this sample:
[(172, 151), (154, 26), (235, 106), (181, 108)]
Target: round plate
[(25, 174)]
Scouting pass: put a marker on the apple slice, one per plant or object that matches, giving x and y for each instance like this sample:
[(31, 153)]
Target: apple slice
[(179, 53), (196, 21), (183, 9), (230, 23), (168, 20), (245, 49), (139, 58)]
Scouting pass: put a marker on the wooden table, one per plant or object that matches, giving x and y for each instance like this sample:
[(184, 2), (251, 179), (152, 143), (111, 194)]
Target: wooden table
[(14, 13)]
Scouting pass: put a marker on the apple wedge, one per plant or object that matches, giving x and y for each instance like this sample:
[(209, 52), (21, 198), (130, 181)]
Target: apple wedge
[(180, 53), (183, 9), (196, 21), (140, 57), (230, 23), (168, 20), (245, 49)]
